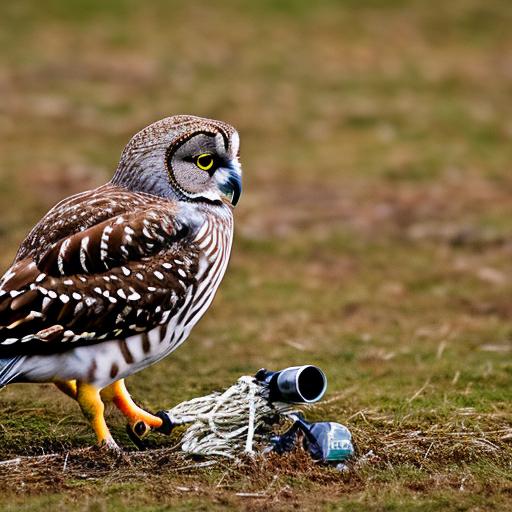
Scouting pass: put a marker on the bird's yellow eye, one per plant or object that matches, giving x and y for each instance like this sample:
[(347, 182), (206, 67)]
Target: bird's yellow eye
[(205, 161)]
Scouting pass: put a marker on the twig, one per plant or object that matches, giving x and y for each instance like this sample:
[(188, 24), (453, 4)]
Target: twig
[(34, 458), (418, 393), (358, 413), (65, 465), (440, 349), (197, 465), (428, 450), (16, 461)]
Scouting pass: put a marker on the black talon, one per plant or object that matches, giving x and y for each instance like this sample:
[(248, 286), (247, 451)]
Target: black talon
[(167, 424), (140, 428), (134, 436)]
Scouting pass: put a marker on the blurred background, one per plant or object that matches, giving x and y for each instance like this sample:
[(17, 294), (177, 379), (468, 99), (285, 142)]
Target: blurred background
[(346, 108), (373, 235)]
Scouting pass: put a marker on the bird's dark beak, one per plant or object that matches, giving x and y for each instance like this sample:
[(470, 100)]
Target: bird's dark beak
[(231, 187)]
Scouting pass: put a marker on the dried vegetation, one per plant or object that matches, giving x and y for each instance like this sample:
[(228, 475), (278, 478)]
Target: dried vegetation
[(373, 239)]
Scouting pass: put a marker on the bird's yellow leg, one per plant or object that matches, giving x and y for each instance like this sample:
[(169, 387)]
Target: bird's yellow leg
[(89, 399), (118, 393), (68, 387)]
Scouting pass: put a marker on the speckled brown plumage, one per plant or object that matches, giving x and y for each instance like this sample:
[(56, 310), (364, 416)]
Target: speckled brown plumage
[(65, 292), (112, 280)]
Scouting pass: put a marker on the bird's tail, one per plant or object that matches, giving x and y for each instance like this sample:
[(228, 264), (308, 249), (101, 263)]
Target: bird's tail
[(9, 369)]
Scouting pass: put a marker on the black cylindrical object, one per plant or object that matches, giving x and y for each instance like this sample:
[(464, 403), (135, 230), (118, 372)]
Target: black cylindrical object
[(297, 384)]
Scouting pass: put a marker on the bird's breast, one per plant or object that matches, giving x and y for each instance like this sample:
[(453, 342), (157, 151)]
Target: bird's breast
[(213, 243)]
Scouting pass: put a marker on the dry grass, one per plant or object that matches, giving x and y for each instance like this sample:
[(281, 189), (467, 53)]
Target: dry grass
[(373, 238)]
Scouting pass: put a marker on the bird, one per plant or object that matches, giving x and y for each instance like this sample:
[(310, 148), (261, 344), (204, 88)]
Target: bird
[(112, 280)]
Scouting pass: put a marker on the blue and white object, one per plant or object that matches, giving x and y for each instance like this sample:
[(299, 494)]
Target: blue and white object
[(325, 441)]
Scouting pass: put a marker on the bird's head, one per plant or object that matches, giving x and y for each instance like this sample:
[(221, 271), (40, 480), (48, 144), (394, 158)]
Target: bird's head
[(184, 157)]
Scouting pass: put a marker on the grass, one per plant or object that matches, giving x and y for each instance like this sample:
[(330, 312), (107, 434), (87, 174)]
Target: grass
[(373, 237)]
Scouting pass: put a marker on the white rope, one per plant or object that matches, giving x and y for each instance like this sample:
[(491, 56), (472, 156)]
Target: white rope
[(229, 423), (252, 415)]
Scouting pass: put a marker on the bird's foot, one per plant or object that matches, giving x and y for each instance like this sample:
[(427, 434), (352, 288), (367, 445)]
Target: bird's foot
[(110, 446), (109, 452)]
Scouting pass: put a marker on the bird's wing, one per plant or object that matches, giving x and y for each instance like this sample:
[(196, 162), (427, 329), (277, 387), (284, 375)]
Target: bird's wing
[(80, 212), (124, 275)]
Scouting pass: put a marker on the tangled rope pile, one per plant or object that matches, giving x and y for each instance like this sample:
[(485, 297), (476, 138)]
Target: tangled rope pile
[(242, 419), (228, 423)]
